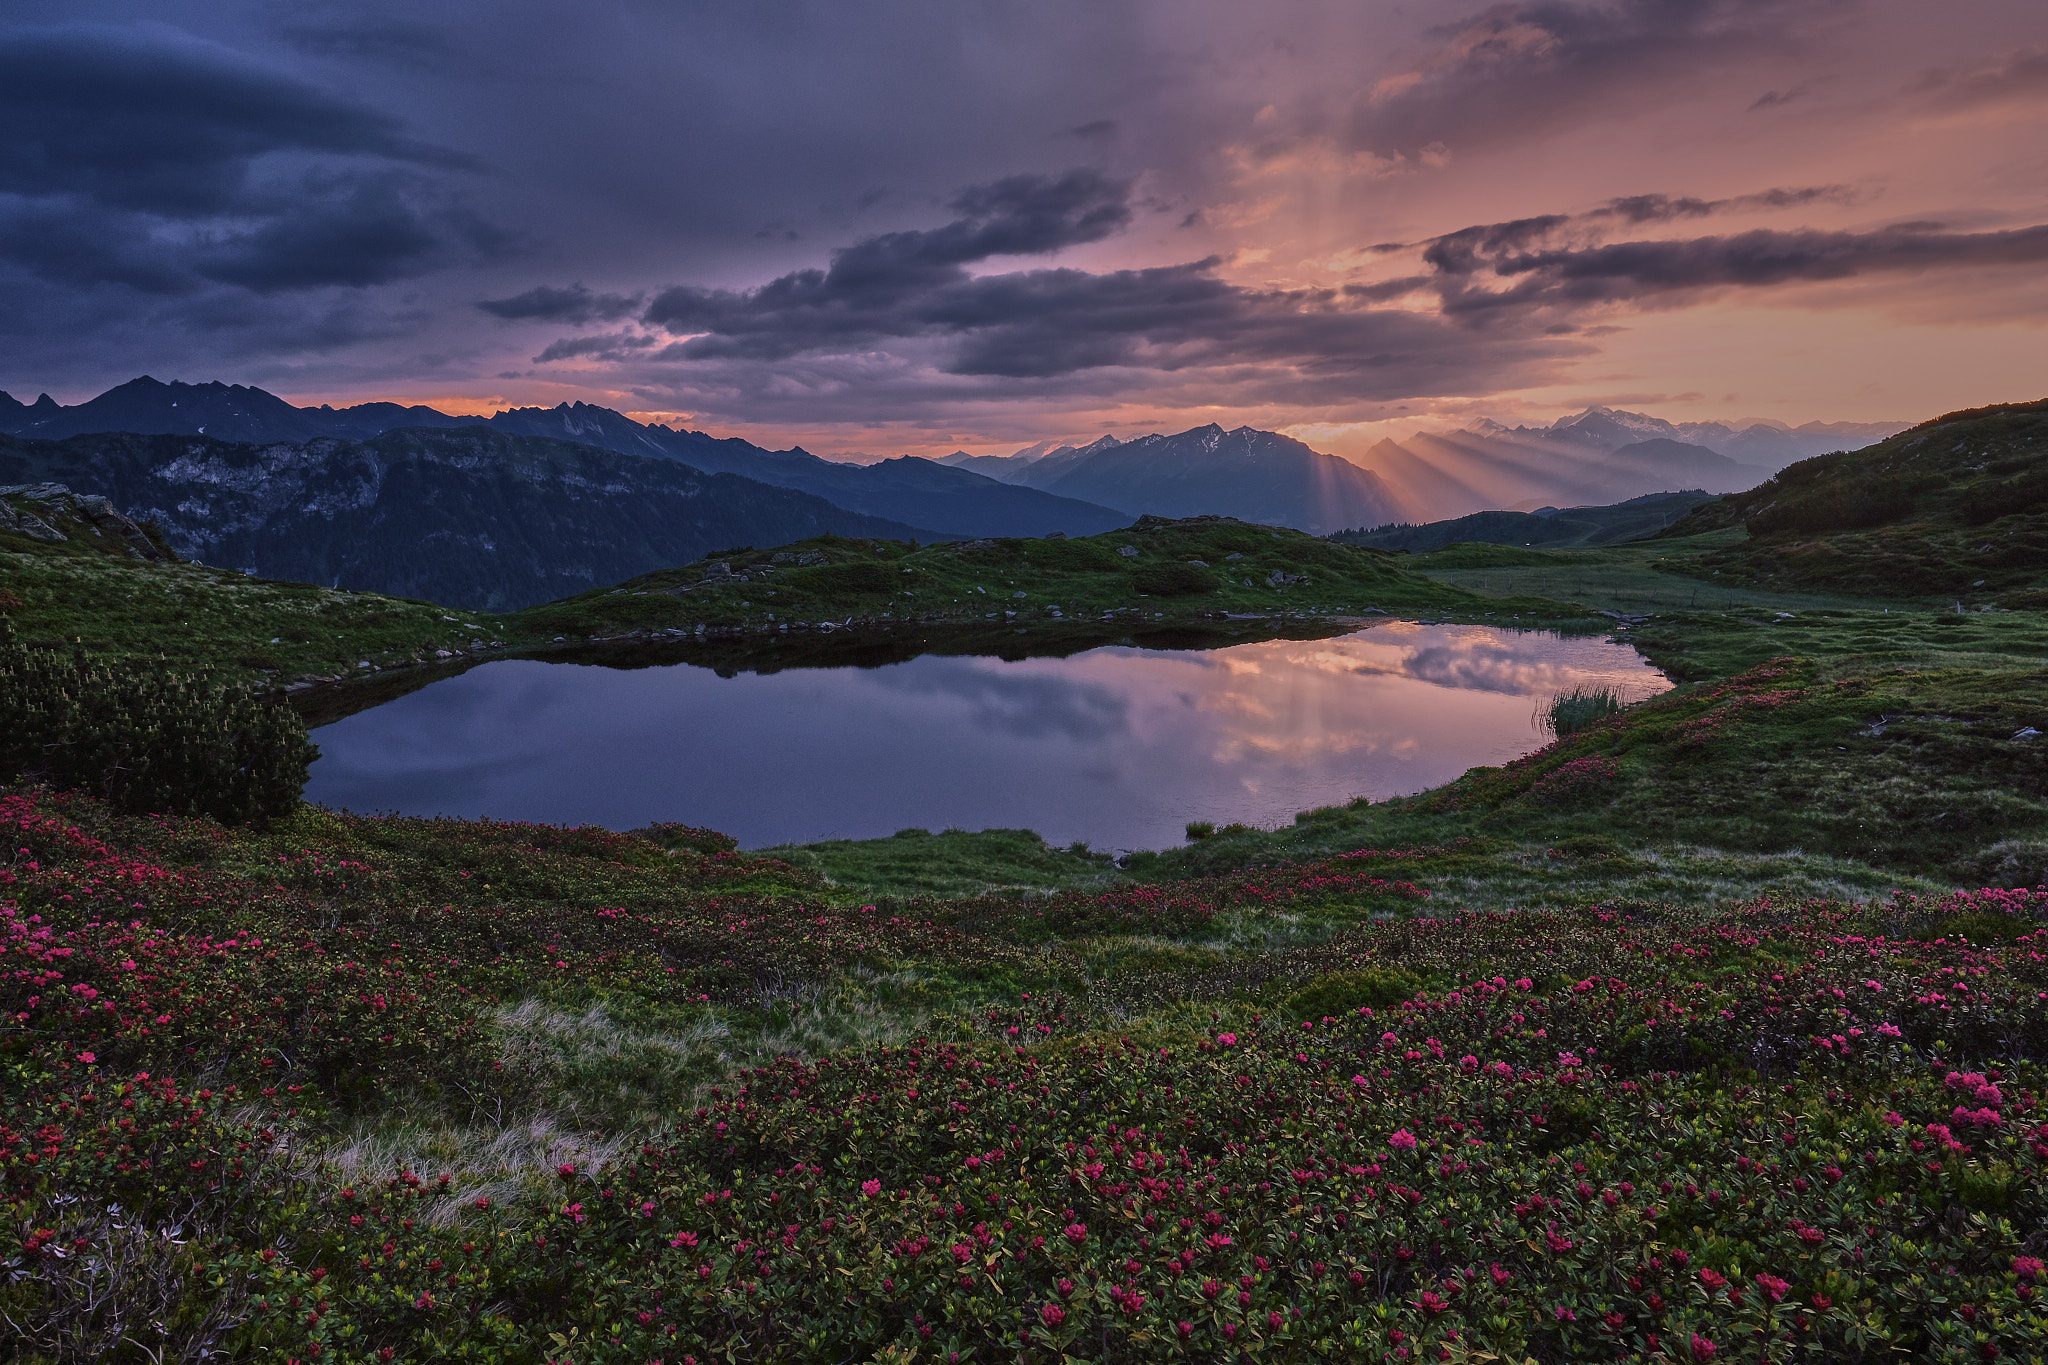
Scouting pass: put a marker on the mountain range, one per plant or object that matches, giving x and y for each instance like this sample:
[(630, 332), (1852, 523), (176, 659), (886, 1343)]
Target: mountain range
[(532, 503), (1755, 441), (469, 517), (941, 502), (1254, 475), (1598, 456)]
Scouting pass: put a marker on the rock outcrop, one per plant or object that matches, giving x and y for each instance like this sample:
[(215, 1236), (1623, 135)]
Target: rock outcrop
[(40, 511)]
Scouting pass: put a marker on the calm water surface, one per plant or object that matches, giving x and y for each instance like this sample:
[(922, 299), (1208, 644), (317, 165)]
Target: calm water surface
[(1117, 746)]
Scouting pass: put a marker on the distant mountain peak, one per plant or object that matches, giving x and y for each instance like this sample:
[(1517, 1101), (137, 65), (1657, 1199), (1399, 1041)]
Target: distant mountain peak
[(1259, 476)]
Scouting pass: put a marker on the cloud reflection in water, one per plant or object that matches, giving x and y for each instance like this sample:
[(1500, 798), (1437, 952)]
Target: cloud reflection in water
[(1117, 746)]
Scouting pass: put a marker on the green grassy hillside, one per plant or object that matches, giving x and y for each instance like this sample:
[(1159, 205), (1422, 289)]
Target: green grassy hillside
[(1191, 569), (1955, 508), (89, 587), (1556, 529)]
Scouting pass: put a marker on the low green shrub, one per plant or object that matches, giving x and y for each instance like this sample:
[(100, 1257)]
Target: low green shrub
[(1981, 926), (833, 580), (2010, 862), (148, 740), (1175, 580), (1342, 993), (696, 840), (1588, 848), (1580, 708)]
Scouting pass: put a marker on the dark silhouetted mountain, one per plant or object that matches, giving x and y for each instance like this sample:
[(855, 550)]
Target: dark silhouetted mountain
[(908, 488), (1550, 527), (1686, 465), (1004, 468), (227, 412), (1253, 475), (915, 492), (472, 517)]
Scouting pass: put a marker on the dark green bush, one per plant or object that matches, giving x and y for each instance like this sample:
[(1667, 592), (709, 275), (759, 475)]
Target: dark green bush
[(1834, 507), (671, 835), (2023, 494), (1588, 848), (1174, 580), (1077, 556), (146, 740), (857, 577), (1342, 993), (2011, 862), (1982, 926)]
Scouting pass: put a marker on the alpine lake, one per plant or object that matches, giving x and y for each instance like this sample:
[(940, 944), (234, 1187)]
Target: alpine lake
[(1119, 741)]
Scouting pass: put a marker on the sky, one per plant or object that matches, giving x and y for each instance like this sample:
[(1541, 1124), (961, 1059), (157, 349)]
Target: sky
[(885, 226)]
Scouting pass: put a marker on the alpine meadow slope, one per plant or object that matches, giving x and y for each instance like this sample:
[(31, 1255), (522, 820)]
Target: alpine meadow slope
[(1957, 506)]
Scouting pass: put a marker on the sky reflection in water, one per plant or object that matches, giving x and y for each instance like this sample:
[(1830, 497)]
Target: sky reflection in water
[(1120, 747)]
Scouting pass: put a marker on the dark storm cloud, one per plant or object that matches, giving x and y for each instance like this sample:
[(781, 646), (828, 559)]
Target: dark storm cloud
[(1774, 99), (875, 287), (602, 346), (1468, 249), (143, 157), (898, 321), (576, 305), (899, 284), (900, 318), (1038, 325), (148, 118), (1520, 69), (1662, 208), (1657, 272), (2017, 76), (372, 38)]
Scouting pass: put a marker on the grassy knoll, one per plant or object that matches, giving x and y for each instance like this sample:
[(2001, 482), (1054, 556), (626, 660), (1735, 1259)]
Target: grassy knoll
[(211, 620), (1664, 576), (1191, 569), (1955, 509)]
